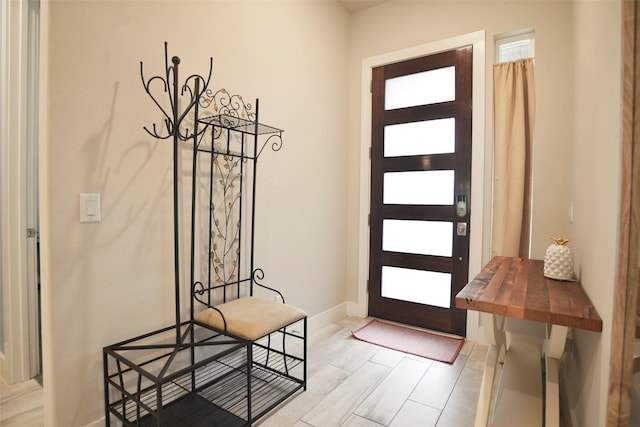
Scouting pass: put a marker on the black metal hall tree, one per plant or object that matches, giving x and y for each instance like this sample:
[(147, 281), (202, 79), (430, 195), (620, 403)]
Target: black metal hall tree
[(241, 351)]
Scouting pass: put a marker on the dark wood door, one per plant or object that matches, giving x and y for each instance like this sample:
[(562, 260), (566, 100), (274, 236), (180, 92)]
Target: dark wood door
[(420, 176)]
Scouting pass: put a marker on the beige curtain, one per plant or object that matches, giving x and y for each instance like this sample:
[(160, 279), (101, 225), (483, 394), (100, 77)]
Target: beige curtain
[(514, 101)]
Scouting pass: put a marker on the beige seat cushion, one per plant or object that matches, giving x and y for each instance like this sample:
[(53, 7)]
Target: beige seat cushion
[(250, 317)]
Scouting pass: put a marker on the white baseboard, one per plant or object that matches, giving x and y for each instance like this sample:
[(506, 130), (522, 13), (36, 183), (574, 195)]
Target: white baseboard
[(327, 317)]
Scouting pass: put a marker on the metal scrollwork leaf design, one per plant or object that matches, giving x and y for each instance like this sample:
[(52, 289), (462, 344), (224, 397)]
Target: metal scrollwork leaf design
[(224, 103), (225, 211)]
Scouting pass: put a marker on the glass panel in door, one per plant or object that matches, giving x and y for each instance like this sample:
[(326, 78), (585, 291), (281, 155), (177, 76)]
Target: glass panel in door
[(417, 237), (419, 138), (427, 87), (420, 286), (419, 187)]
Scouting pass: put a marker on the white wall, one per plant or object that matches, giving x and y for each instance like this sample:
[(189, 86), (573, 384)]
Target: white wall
[(595, 190), (112, 280)]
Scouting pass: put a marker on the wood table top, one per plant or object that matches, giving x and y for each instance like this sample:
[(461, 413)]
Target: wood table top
[(516, 287)]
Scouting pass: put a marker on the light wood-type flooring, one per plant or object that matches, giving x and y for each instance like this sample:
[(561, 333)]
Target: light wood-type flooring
[(21, 404), (356, 384), (351, 384)]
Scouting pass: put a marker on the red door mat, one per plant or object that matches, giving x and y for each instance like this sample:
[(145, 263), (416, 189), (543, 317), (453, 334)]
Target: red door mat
[(419, 343)]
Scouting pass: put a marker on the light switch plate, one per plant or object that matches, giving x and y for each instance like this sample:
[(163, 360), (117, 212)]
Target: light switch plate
[(90, 208)]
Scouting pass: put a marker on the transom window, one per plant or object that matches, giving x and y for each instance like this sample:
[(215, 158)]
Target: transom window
[(513, 47)]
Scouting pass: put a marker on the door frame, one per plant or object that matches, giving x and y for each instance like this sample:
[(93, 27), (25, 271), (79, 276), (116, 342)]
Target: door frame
[(20, 360), (478, 165)]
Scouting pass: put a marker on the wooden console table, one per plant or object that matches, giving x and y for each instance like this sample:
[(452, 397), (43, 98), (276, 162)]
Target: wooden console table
[(516, 287)]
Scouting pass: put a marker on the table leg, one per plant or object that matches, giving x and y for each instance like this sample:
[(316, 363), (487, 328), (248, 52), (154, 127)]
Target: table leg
[(496, 338), (553, 349), (486, 387)]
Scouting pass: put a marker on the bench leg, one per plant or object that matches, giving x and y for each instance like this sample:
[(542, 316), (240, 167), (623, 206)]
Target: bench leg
[(249, 368)]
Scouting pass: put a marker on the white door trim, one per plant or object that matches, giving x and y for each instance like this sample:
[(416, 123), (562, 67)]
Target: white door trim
[(19, 360), (477, 39)]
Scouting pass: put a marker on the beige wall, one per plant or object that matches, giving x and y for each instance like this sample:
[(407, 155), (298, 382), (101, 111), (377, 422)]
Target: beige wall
[(113, 280)]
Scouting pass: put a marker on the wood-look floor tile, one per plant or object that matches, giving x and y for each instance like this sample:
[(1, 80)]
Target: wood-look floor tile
[(467, 347), (356, 421), (9, 392), (353, 354), (28, 399), (388, 357), (331, 348), (477, 357), (460, 410), (338, 405), (326, 350), (438, 383), (387, 399), (319, 386), (32, 418), (415, 414), (323, 335)]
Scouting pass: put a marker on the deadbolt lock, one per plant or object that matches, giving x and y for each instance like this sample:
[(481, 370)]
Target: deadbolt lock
[(461, 229)]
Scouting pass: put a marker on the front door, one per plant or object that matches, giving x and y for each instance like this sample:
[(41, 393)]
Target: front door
[(420, 190)]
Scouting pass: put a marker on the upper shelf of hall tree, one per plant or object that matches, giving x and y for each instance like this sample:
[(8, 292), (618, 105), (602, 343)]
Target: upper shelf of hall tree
[(239, 124)]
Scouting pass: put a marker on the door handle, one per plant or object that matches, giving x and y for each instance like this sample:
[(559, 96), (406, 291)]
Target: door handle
[(461, 206)]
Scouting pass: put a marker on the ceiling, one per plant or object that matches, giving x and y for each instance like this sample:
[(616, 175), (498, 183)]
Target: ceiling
[(357, 5)]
